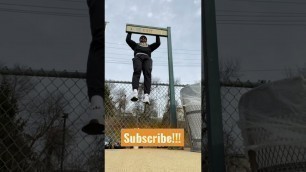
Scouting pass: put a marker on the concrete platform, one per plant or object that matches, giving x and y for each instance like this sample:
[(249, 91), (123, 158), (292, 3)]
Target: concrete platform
[(151, 160)]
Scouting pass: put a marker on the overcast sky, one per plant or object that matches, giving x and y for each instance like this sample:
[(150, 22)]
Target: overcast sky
[(184, 18), (265, 36)]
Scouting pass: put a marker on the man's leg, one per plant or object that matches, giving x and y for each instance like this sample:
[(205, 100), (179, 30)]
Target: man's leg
[(95, 68), (137, 65), (147, 70)]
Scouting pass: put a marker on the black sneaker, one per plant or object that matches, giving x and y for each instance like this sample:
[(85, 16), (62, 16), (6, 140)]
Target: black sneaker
[(93, 128)]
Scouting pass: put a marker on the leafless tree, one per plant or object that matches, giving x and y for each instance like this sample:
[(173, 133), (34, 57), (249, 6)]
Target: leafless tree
[(166, 115), (120, 99), (299, 71), (47, 129), (229, 69)]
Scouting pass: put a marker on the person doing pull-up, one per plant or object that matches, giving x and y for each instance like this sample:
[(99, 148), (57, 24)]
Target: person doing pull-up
[(95, 74), (142, 61)]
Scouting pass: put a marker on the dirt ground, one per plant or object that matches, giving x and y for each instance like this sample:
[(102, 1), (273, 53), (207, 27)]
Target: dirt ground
[(152, 160)]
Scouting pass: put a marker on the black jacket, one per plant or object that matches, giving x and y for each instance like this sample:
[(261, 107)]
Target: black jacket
[(139, 49)]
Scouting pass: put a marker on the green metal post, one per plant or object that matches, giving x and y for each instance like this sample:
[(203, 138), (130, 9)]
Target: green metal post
[(173, 119), (212, 89)]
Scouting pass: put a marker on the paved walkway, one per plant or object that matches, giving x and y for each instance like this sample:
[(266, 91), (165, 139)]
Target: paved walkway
[(151, 160)]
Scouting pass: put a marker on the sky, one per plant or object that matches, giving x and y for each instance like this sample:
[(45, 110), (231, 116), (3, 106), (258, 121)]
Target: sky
[(55, 35), (265, 36), (184, 19)]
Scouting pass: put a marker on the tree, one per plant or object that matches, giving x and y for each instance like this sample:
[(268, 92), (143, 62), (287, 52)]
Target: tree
[(121, 100), (110, 108), (96, 157), (300, 71), (166, 115), (47, 131), (151, 109), (144, 112), (229, 69), (15, 152)]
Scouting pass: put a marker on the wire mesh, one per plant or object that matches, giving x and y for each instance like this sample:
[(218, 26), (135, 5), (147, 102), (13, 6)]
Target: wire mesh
[(123, 113), (32, 105), (32, 108)]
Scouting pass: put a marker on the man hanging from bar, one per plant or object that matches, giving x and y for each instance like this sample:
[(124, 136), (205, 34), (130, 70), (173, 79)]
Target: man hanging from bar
[(142, 62), (95, 69)]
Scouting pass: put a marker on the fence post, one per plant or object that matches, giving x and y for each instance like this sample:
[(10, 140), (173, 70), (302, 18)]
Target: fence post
[(212, 89), (173, 118)]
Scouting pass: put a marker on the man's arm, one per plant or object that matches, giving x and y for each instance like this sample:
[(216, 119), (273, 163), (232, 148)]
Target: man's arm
[(129, 41), (155, 45)]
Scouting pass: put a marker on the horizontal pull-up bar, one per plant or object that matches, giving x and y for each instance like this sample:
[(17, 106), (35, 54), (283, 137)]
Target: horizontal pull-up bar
[(146, 30)]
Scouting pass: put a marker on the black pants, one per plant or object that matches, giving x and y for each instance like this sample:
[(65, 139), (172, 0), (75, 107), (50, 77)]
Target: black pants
[(143, 63), (96, 62)]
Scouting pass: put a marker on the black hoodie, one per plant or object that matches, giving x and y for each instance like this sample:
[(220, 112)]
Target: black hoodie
[(142, 49)]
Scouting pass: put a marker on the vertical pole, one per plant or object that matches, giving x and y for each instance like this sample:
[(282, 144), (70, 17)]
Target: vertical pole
[(63, 146), (173, 118), (212, 89)]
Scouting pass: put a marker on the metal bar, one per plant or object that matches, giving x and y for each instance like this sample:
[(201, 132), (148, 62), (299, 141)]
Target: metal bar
[(82, 75), (173, 118), (42, 73), (160, 28), (146, 30), (212, 89)]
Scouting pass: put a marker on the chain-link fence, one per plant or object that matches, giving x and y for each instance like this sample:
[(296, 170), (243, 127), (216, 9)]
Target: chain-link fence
[(33, 105), (235, 158), (279, 158), (41, 115), (123, 113)]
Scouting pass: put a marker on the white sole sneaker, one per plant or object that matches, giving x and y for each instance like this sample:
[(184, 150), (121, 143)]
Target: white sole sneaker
[(134, 96), (146, 100)]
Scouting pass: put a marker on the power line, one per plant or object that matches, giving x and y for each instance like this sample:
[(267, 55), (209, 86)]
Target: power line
[(278, 2), (160, 48), (131, 53), (223, 22), (260, 12), (262, 24), (257, 20), (42, 12), (71, 1), (47, 7), (257, 16), (129, 61), (263, 70), (77, 1), (155, 51), (174, 65), (161, 63), (158, 59)]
